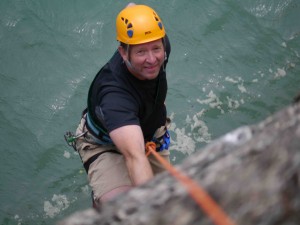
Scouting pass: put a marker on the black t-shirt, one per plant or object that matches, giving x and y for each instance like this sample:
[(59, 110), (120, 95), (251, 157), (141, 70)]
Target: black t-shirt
[(117, 98)]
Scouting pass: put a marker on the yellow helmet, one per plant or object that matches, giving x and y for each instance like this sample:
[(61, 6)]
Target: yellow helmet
[(139, 24)]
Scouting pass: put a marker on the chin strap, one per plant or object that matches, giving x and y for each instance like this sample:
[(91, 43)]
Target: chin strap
[(128, 63)]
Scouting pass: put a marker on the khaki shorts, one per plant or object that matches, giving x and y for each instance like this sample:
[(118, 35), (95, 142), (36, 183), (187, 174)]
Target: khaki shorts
[(109, 170)]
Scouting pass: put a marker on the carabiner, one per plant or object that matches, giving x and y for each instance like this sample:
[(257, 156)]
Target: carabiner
[(71, 138)]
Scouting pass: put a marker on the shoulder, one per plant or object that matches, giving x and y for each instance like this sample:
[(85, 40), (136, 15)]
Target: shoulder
[(115, 62), (112, 70)]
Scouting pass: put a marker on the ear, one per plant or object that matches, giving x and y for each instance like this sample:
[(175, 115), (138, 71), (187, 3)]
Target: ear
[(123, 53)]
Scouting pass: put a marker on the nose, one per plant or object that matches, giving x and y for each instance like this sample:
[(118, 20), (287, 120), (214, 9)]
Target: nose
[(151, 58)]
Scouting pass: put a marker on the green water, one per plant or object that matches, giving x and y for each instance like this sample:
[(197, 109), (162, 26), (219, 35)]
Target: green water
[(233, 63)]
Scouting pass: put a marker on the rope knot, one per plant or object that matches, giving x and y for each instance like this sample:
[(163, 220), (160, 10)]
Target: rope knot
[(150, 146)]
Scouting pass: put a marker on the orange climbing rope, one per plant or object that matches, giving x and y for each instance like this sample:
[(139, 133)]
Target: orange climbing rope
[(210, 207)]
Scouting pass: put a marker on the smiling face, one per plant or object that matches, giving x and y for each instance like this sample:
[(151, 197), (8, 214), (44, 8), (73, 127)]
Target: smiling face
[(144, 60)]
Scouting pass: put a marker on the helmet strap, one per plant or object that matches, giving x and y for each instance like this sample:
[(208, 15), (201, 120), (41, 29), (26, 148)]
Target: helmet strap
[(128, 52), (128, 63), (166, 57)]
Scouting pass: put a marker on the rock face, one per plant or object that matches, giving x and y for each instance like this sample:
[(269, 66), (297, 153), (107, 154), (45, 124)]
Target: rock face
[(253, 173)]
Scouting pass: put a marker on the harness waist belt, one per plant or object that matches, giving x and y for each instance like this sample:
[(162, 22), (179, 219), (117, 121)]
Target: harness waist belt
[(97, 132), (101, 137)]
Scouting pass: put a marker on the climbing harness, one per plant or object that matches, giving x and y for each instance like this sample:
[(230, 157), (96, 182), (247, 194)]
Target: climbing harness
[(201, 197), (100, 135), (71, 138)]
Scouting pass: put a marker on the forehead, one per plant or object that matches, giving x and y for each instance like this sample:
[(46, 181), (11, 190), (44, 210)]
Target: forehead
[(148, 44)]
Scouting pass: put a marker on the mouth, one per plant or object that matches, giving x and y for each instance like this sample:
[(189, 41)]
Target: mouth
[(151, 68)]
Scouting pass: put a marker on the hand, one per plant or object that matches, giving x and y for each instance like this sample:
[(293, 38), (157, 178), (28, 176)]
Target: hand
[(130, 4)]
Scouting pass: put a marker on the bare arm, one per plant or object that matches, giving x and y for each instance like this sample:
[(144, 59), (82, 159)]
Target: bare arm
[(130, 141)]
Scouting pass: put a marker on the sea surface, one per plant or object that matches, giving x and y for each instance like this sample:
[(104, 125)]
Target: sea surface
[(233, 63)]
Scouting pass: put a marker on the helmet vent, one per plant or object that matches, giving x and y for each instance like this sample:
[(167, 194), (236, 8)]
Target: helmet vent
[(158, 20), (129, 25), (160, 25), (130, 33), (125, 20)]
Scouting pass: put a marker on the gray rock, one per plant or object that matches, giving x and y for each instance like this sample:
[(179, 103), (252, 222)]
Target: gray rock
[(253, 173)]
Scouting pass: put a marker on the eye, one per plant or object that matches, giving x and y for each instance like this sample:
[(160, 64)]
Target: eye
[(140, 52), (157, 49)]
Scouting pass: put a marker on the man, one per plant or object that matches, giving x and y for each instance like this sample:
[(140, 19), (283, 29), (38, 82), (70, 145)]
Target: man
[(126, 107)]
